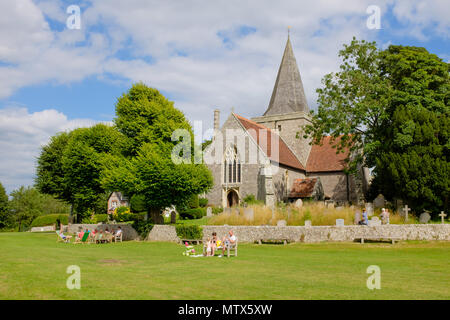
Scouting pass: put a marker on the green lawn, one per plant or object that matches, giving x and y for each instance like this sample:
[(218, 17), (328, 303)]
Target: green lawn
[(33, 266)]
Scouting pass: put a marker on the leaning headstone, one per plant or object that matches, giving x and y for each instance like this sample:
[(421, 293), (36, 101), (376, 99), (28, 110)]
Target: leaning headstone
[(340, 222), (173, 217), (329, 203), (425, 217), (249, 214), (281, 223), (379, 201), (298, 203), (375, 221), (308, 223), (209, 212), (357, 217), (369, 209)]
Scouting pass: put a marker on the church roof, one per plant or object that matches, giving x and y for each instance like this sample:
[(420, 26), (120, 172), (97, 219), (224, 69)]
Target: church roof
[(323, 157), (303, 188), (285, 155), (288, 95)]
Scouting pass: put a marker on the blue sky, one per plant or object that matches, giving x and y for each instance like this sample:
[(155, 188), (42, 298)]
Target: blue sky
[(202, 55)]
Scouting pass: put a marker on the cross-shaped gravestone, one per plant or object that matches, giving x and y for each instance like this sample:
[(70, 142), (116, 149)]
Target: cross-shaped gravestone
[(442, 215), (406, 210)]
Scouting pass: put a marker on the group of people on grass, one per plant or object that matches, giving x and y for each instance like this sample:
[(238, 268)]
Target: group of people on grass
[(384, 217), (214, 243), (99, 236)]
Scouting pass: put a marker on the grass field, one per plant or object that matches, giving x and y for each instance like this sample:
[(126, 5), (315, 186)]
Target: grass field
[(33, 266)]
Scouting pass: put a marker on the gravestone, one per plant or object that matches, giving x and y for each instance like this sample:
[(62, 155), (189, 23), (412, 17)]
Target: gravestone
[(379, 201), (281, 223), (329, 203), (298, 203), (424, 217), (173, 217), (369, 209), (227, 210), (209, 212), (236, 211), (340, 222), (442, 215), (249, 214), (357, 217), (405, 212), (308, 223), (375, 221), (289, 211)]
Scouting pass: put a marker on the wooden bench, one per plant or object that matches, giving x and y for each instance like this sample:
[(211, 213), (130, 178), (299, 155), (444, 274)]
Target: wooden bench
[(191, 241), (380, 239), (229, 249), (278, 240)]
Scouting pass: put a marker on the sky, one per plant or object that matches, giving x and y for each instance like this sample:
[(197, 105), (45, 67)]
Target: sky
[(203, 55)]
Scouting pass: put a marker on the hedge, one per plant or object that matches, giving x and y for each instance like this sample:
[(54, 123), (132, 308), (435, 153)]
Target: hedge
[(196, 213), (50, 219), (192, 232), (142, 227)]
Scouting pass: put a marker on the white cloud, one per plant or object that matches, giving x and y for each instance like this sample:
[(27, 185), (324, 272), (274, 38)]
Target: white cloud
[(175, 47), (21, 136)]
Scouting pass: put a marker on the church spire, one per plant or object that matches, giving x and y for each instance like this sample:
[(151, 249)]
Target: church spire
[(288, 95)]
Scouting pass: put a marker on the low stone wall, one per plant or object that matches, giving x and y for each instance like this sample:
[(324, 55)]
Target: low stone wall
[(332, 233), (161, 232), (313, 234), (128, 232), (43, 229)]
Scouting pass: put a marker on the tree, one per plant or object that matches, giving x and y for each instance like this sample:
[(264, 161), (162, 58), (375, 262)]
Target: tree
[(391, 108), (414, 160), (27, 203), (78, 156), (4, 208), (148, 120), (352, 104)]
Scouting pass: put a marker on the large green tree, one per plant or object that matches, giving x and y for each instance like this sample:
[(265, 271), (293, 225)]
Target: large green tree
[(148, 120), (392, 109), (69, 167), (27, 203), (4, 208)]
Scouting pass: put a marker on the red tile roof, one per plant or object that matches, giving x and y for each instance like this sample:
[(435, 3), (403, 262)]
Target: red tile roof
[(323, 158), (303, 188), (285, 155)]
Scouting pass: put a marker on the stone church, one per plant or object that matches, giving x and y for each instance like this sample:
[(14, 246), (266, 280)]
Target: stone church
[(268, 158)]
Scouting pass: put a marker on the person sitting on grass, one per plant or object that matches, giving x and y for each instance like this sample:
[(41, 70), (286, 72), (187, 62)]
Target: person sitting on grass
[(212, 245), (64, 237), (228, 241)]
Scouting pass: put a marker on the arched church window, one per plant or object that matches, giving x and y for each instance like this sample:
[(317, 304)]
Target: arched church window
[(232, 166)]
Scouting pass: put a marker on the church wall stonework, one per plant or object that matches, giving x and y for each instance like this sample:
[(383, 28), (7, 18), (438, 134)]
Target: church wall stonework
[(249, 171), (279, 180), (290, 125)]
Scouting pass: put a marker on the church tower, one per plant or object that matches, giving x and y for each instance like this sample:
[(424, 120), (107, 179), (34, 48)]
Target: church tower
[(288, 109)]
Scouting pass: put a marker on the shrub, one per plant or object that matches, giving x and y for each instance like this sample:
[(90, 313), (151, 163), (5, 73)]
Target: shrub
[(137, 203), (193, 202), (196, 213), (217, 210), (189, 232), (142, 227), (250, 199), (122, 214), (50, 219), (101, 218), (203, 202)]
